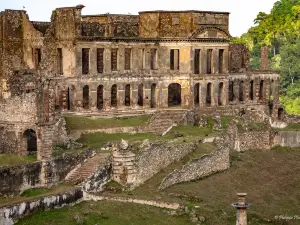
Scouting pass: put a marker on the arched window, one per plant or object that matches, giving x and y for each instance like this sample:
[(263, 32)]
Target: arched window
[(221, 94), (100, 97), (231, 96), (114, 96), (153, 96), (127, 95), (208, 94), (261, 90), (241, 91), (196, 94), (141, 95), (85, 97), (251, 92), (174, 95)]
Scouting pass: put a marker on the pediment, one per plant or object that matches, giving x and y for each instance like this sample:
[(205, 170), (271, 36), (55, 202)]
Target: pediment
[(210, 32)]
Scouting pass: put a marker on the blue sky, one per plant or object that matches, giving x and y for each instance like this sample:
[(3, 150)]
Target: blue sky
[(242, 12)]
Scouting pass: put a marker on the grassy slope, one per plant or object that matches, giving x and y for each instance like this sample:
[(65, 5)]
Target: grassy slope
[(105, 213), (14, 160), (90, 123)]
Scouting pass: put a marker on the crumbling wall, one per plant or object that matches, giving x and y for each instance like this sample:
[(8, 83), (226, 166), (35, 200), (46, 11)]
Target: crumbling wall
[(239, 58), (287, 138), (15, 179), (198, 168), (13, 212), (253, 140), (151, 161)]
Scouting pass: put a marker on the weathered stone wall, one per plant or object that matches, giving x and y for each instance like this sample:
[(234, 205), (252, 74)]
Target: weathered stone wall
[(151, 161), (239, 57), (198, 168), (11, 213), (19, 178), (253, 140), (287, 138)]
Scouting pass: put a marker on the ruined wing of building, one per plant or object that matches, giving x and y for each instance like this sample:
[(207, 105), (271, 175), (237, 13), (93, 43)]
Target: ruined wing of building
[(110, 63)]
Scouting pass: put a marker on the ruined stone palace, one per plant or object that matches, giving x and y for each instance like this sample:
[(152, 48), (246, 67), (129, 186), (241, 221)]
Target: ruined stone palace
[(105, 64)]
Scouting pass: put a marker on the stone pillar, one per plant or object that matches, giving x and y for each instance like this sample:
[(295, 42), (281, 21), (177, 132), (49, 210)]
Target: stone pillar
[(147, 97), (93, 61), (203, 61), (203, 92), (264, 58), (93, 99), (44, 141), (236, 91), (241, 206), (107, 60)]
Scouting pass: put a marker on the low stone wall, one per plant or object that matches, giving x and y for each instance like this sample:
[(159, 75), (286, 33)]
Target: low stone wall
[(198, 168), (101, 177), (19, 178), (159, 156), (253, 140), (16, 179), (11, 213), (287, 138)]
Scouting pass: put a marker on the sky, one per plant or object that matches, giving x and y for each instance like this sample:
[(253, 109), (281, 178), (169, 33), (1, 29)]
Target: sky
[(243, 12)]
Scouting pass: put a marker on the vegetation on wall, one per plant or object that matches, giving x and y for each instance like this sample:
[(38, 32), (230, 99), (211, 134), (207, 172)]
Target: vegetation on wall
[(280, 31)]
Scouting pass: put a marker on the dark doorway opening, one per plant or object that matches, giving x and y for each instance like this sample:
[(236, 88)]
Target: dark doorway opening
[(127, 95), (196, 94), (220, 94), (231, 91), (208, 94), (100, 97), (174, 95), (251, 95), (85, 97), (261, 90), (241, 91), (31, 141), (114, 96), (141, 95), (153, 96)]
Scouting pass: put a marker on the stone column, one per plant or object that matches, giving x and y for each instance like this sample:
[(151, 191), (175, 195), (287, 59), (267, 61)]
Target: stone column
[(93, 61), (203, 93), (264, 58), (241, 206)]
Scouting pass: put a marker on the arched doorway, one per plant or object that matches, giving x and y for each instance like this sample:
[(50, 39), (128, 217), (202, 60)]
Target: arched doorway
[(100, 97), (114, 96), (280, 113), (251, 86), (196, 94), (141, 95), (220, 94), (231, 91), (127, 95), (71, 95), (241, 91), (208, 94), (174, 95), (261, 90), (30, 142), (153, 96), (85, 97)]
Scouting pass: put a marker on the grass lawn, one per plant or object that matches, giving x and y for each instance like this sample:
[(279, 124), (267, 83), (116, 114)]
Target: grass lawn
[(271, 179), (93, 123), (14, 160), (105, 213)]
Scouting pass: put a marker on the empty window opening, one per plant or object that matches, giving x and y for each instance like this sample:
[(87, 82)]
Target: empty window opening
[(271, 107), (197, 61), (241, 91), (221, 60), (71, 94), (251, 92), (140, 94), (272, 89), (196, 94), (209, 60), (143, 58), (59, 61), (114, 96), (208, 94), (221, 94), (30, 141), (37, 57), (127, 95), (127, 58), (114, 59), (261, 90), (174, 59), (280, 113), (100, 97), (153, 96), (85, 97), (153, 59), (174, 95), (100, 60), (231, 91), (85, 60)]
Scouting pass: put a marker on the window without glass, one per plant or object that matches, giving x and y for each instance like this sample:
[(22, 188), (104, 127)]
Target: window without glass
[(197, 61), (209, 60), (100, 59), (85, 60), (59, 61), (127, 58), (114, 59), (221, 60), (153, 65), (174, 59)]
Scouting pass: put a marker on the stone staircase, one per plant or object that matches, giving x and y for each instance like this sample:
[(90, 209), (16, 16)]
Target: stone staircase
[(87, 169), (163, 120)]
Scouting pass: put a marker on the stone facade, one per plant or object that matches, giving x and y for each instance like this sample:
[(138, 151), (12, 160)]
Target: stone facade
[(120, 63)]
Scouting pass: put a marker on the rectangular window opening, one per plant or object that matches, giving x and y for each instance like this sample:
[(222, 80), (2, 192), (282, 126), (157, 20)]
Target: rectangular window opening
[(59, 61), (153, 59), (100, 60), (174, 59), (114, 59), (197, 61), (127, 58), (209, 60), (85, 60), (221, 60)]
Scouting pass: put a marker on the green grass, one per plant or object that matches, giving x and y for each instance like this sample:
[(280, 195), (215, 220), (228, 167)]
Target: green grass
[(35, 192), (14, 160), (290, 127), (91, 123), (105, 213)]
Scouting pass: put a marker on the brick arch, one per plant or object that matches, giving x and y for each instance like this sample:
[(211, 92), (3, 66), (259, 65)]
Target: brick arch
[(214, 28)]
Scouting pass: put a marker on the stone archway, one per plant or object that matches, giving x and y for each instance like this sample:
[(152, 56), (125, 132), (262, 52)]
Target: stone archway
[(30, 142), (174, 95)]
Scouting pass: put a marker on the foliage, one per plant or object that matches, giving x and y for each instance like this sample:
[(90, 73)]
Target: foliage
[(13, 160), (291, 99)]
